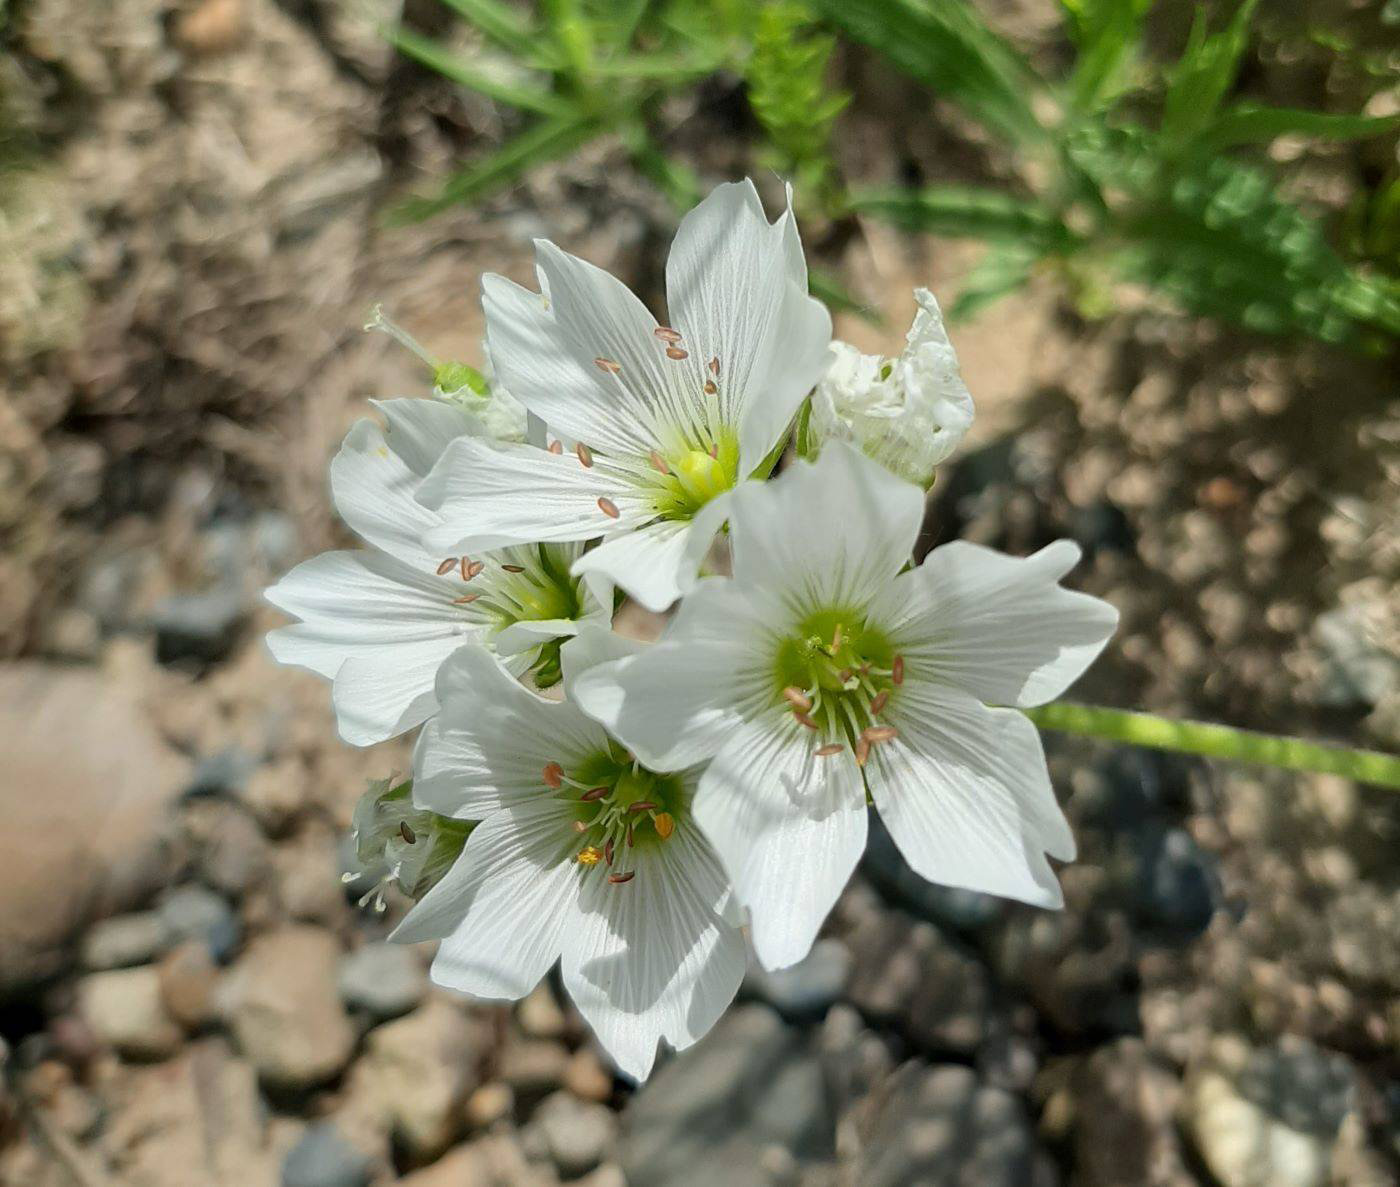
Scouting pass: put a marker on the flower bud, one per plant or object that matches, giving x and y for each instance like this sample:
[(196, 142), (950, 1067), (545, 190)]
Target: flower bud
[(405, 845), (907, 413)]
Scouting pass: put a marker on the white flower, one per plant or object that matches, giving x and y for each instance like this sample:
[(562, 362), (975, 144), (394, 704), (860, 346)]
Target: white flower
[(379, 622), (667, 419), (907, 413), (820, 671), (581, 855), (401, 844)]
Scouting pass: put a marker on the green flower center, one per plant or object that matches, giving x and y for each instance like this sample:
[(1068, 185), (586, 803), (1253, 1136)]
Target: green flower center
[(687, 478), (618, 807), (838, 673)]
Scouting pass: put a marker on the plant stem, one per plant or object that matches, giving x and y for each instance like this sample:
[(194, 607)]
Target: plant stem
[(1219, 741)]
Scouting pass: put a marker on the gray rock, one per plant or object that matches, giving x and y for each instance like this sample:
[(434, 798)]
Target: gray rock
[(125, 940), (323, 1158), (1268, 1117), (125, 1010), (750, 1085), (1175, 887), (199, 627), (224, 773), (232, 856), (577, 1134), (198, 913), (533, 1067), (1358, 669), (383, 980), (806, 990), (1125, 1120), (940, 1125)]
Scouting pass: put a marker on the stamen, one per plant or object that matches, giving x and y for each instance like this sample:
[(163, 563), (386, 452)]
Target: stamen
[(608, 365), (803, 719), (593, 793), (580, 826), (798, 699), (608, 851), (641, 806), (836, 638), (585, 455), (862, 751), (665, 824), (659, 463), (473, 570), (666, 334), (897, 670), (844, 675), (410, 837), (710, 387), (589, 855), (828, 750), (879, 733), (447, 566), (878, 702), (608, 508), (631, 837), (675, 352), (556, 447), (553, 775), (513, 568), (714, 367), (618, 879), (465, 599)]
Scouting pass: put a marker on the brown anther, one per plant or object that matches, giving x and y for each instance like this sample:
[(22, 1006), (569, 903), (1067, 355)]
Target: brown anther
[(797, 698), (664, 823), (710, 387), (608, 508), (556, 447), (836, 638), (659, 463), (473, 570), (553, 775), (465, 599), (608, 851), (675, 352), (513, 568), (447, 566), (593, 793), (466, 568), (666, 334), (409, 836), (879, 733), (803, 719), (843, 675), (862, 751), (585, 455), (714, 367), (641, 806), (618, 879), (608, 365), (714, 451), (580, 826), (897, 670), (828, 750), (878, 702), (631, 837)]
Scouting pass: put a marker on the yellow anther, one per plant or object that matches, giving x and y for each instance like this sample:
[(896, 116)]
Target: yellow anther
[(665, 824), (590, 855)]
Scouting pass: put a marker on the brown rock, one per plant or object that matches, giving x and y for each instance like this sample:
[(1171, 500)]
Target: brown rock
[(285, 1009), (586, 1077), (1125, 1110), (87, 789), (495, 1161), (188, 980), (211, 27), (125, 1010), (488, 1104)]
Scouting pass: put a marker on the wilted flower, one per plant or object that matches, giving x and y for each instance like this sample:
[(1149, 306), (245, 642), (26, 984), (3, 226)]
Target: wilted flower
[(822, 671), (401, 844), (582, 855), (908, 413), (662, 421)]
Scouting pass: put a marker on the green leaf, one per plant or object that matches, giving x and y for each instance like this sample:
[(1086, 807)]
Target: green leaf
[(438, 58), (998, 274), (1204, 75), (965, 211), (547, 140), (826, 286), (502, 23), (1247, 123), (1108, 35), (946, 46)]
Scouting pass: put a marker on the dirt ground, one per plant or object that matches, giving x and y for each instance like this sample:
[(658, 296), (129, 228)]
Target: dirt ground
[(191, 236)]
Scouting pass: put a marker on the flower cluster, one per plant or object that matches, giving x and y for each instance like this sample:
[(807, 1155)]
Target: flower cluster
[(715, 783)]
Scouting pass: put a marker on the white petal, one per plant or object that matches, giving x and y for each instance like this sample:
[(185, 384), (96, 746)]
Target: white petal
[(652, 959), (594, 645), (676, 702), (487, 494), (545, 344), (788, 826), (419, 430), (490, 743), (657, 564), (374, 491), (736, 288), (503, 905), (832, 532), (966, 795), (999, 626), (382, 694)]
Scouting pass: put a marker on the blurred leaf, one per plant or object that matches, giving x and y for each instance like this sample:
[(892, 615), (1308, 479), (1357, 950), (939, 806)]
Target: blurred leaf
[(1204, 74), (1107, 34), (827, 287), (547, 140), (438, 58), (945, 45), (959, 211), (1004, 269), (502, 23), (1247, 123)]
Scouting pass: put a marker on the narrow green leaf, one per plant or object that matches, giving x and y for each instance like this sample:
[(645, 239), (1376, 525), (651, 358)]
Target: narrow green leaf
[(960, 211), (1247, 123), (998, 274), (438, 58), (1204, 74), (1108, 35), (502, 23), (826, 286)]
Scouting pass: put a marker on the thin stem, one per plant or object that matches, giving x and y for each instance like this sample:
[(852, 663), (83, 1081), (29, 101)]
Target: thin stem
[(1219, 741)]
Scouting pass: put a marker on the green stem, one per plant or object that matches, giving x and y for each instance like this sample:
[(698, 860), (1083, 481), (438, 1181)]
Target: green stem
[(1219, 741)]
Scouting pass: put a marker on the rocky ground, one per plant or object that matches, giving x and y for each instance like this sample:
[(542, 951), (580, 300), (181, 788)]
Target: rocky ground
[(188, 995)]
